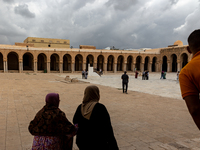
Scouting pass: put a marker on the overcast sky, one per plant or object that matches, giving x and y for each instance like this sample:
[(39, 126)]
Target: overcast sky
[(102, 23)]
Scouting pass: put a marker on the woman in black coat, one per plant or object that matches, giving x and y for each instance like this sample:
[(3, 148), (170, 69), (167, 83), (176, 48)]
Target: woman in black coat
[(94, 127)]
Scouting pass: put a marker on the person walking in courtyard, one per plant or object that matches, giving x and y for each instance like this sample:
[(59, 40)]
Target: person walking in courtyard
[(147, 75), (100, 72), (162, 74), (83, 74), (86, 74), (143, 75), (51, 128), (189, 78), (136, 74), (94, 126), (125, 79)]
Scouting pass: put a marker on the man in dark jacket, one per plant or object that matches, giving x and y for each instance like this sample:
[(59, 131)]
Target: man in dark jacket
[(125, 81)]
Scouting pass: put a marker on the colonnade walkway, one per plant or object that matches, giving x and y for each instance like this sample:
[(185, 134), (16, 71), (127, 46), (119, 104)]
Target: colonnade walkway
[(140, 120)]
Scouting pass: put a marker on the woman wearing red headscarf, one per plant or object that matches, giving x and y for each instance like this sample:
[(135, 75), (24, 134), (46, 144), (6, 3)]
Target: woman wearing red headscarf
[(51, 128), (94, 126)]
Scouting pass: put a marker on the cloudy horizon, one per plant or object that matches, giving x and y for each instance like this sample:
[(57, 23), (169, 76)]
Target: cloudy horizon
[(102, 23)]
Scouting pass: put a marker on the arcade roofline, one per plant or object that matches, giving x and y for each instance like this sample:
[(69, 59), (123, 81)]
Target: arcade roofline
[(149, 51)]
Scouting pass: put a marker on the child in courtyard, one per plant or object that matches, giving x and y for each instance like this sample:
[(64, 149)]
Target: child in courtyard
[(189, 78)]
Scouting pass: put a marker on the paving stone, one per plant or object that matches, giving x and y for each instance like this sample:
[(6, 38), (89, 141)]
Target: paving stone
[(151, 116)]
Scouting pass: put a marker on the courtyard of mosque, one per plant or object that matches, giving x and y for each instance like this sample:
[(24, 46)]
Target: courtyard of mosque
[(152, 116)]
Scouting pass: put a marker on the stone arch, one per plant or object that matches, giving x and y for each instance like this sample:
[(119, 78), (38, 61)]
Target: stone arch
[(146, 63), (13, 61), (67, 61), (28, 61), (54, 64), (129, 63), (138, 63), (120, 62), (1, 61), (154, 61), (110, 63), (89, 60), (174, 62), (100, 62), (42, 62), (184, 59), (79, 62), (164, 63)]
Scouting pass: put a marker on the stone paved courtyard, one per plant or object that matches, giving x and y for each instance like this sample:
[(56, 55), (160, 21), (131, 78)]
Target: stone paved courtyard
[(140, 120)]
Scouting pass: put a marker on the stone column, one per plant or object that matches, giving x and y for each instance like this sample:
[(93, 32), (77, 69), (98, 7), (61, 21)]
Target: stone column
[(141, 67), (95, 66), (5, 66), (156, 67), (105, 68), (20, 67), (48, 67), (179, 65), (72, 67), (134, 67), (168, 67), (84, 66), (61, 67), (115, 67), (124, 69), (150, 67), (35, 66)]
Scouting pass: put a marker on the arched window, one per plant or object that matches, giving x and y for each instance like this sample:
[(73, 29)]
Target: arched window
[(90, 61), (54, 65), (110, 63), (28, 61), (13, 61), (42, 62), (129, 63), (138, 62), (1, 61), (164, 65), (78, 62), (174, 63), (120, 62), (100, 62), (67, 62)]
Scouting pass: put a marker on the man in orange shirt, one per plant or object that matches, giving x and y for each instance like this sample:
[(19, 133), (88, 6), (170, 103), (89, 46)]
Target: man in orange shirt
[(190, 78)]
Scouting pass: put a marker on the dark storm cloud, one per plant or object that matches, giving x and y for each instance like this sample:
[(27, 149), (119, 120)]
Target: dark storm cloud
[(9, 1), (121, 5), (102, 23), (24, 11)]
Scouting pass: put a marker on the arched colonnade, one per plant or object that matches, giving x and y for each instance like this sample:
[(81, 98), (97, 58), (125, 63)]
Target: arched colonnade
[(173, 63), (62, 61)]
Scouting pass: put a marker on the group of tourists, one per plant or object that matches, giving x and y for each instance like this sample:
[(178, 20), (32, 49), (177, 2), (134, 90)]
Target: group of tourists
[(145, 75), (91, 125), (84, 74)]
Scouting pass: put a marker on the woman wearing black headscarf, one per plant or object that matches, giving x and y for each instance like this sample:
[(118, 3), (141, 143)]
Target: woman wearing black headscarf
[(51, 128), (94, 126)]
